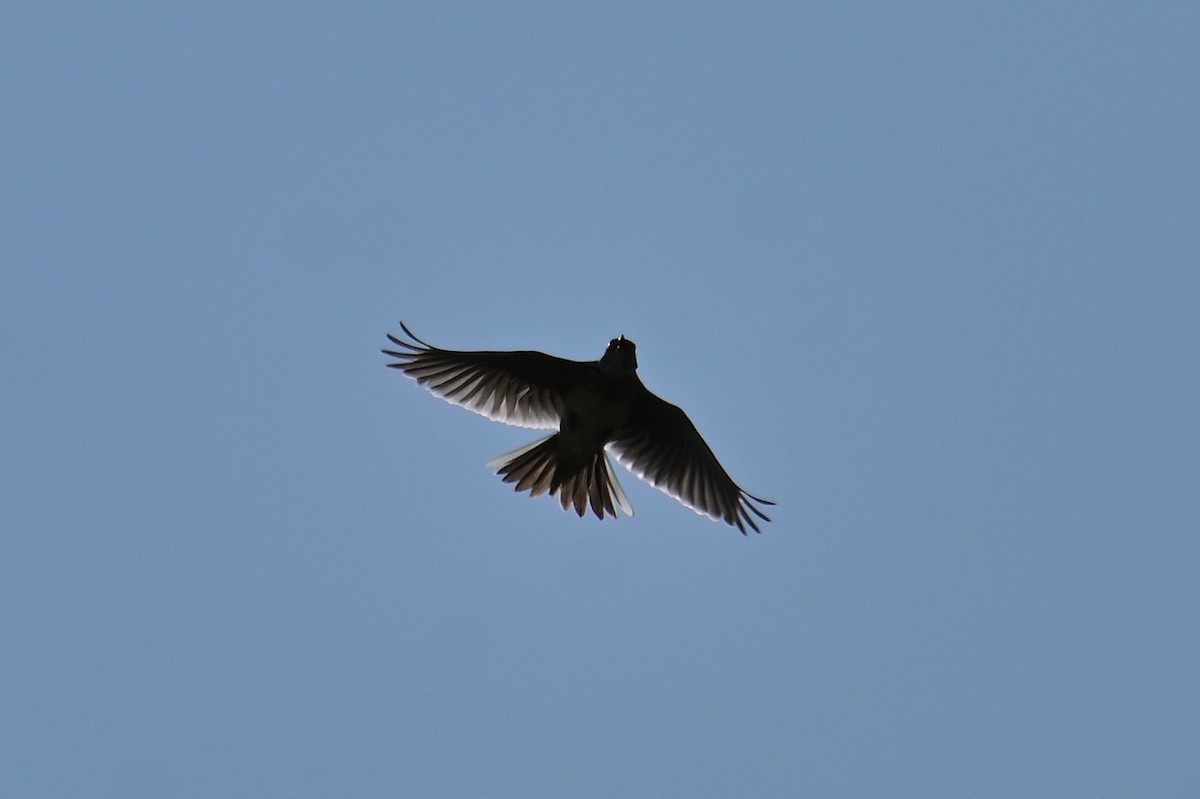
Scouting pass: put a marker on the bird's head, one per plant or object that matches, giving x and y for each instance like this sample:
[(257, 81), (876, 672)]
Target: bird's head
[(621, 356)]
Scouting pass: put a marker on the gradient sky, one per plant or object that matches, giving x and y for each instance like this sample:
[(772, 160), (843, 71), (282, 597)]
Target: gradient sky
[(927, 276)]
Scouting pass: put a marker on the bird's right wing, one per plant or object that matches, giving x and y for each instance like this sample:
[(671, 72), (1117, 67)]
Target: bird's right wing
[(521, 388), (660, 445)]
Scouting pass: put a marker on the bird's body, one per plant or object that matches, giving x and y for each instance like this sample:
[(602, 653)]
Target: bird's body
[(593, 410), (595, 406)]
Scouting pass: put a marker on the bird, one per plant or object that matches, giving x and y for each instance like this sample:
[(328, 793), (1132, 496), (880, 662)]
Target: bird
[(595, 407)]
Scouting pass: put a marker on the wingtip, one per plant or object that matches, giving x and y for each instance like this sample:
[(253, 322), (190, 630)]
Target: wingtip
[(411, 335), (413, 342)]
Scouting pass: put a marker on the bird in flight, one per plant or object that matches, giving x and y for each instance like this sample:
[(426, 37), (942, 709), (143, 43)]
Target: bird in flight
[(595, 406)]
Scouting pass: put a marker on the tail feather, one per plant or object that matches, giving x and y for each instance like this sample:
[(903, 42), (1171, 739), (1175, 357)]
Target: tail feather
[(600, 500), (574, 491), (535, 468)]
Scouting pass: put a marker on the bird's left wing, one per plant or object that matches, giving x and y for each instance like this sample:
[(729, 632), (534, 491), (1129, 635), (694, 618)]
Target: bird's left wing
[(521, 388), (660, 445)]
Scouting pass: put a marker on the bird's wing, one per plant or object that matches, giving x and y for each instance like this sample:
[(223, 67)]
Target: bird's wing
[(661, 446), (521, 388)]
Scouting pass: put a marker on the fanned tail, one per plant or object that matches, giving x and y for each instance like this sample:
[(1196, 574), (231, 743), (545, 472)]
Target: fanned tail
[(535, 468)]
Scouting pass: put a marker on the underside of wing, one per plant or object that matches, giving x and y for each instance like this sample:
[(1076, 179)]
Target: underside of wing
[(521, 388), (662, 446)]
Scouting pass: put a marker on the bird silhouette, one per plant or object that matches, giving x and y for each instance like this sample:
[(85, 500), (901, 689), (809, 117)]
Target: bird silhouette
[(595, 406)]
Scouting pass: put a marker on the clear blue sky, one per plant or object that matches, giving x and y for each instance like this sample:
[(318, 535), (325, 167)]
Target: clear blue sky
[(928, 276)]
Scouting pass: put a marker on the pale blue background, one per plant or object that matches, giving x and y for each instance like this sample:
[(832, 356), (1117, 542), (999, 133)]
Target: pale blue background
[(926, 274)]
